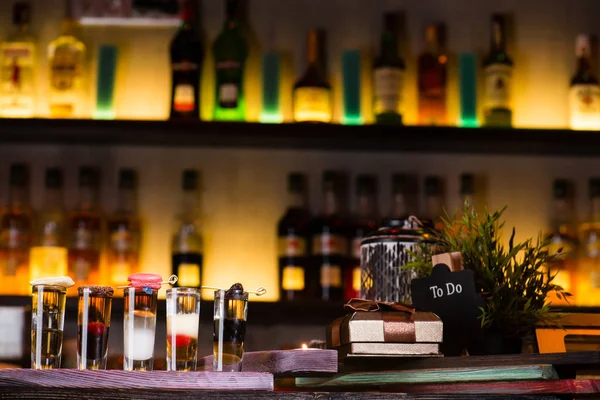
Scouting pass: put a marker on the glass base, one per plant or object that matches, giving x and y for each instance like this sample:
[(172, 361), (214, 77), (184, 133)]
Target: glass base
[(183, 366), (137, 365), (99, 363)]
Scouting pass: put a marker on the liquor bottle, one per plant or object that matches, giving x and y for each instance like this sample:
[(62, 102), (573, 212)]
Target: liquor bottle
[(15, 234), (187, 245), (18, 60), (230, 52), (48, 256), (66, 58), (293, 235), (329, 244), (403, 201), (388, 75), (124, 231), (312, 100), (431, 73), (584, 94), (563, 236), (498, 68), (187, 55), (587, 277), (85, 231), (434, 203), (364, 223)]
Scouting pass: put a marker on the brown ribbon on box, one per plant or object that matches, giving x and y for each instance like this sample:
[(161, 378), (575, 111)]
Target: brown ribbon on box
[(398, 324)]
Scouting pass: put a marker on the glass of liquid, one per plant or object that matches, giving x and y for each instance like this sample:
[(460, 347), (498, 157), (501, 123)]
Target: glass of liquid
[(139, 328), (93, 323), (47, 322), (183, 316), (231, 310)]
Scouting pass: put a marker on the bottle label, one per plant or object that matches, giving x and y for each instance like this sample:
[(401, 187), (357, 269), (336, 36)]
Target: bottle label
[(356, 278), (292, 246), (327, 244), (584, 101), (292, 278), (17, 79), (592, 245), (84, 238), (188, 274), (228, 95), (64, 68), (498, 86), (331, 276), (184, 66), (81, 269), (312, 104), (432, 96), (123, 240), (388, 82), (183, 98), (14, 238)]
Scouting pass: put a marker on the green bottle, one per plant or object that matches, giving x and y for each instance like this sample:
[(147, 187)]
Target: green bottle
[(230, 52)]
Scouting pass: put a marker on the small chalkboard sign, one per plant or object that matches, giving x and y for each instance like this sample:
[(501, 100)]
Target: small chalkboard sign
[(452, 296)]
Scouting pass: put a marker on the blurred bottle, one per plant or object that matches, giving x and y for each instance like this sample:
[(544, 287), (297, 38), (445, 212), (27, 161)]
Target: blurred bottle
[(563, 236), (364, 222), (18, 61), (312, 92), (48, 257), (498, 68), (124, 231), (403, 201), (434, 202), (66, 59), (16, 233), (467, 190), (584, 94), (85, 231), (187, 245), (187, 56), (293, 241), (431, 71), (329, 249), (587, 278), (388, 75), (230, 52)]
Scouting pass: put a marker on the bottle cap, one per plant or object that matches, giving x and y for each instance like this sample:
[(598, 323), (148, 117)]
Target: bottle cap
[(560, 188), (54, 178), (19, 175), (594, 187), (366, 184), (432, 186), (189, 180), (582, 45), (63, 281), (467, 184), (88, 176), (127, 179), (145, 280), (296, 182)]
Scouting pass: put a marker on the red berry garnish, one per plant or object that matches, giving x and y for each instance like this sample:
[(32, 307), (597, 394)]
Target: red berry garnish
[(96, 328), (180, 340)]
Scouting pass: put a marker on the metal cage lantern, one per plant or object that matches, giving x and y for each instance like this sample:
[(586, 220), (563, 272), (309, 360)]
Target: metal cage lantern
[(382, 255)]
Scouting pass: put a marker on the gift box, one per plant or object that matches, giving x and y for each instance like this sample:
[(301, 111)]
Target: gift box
[(385, 327), (389, 349)]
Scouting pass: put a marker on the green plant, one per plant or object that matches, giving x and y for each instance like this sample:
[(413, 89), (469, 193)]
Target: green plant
[(514, 281)]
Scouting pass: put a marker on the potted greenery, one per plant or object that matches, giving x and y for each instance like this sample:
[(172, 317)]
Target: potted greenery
[(513, 280)]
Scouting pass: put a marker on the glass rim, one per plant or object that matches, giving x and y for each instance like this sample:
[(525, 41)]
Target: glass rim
[(126, 290), (233, 296), (56, 287), (97, 290), (183, 290)]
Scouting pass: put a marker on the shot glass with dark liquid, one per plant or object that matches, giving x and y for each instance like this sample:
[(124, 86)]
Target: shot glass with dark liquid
[(47, 321), (230, 313), (93, 324), (183, 316), (139, 324)]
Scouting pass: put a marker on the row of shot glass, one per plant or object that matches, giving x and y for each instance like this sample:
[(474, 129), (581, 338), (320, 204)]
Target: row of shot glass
[(140, 299)]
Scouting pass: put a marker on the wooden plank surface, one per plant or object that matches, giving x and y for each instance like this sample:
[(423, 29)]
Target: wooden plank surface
[(286, 363), (575, 359), (563, 386), (117, 379), (378, 379), (164, 394)]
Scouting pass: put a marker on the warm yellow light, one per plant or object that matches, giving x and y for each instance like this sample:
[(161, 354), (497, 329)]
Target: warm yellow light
[(47, 261), (304, 346), (293, 278), (312, 104), (188, 275)]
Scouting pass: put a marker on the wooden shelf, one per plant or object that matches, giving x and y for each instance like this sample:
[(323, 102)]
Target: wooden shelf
[(260, 313), (329, 137)]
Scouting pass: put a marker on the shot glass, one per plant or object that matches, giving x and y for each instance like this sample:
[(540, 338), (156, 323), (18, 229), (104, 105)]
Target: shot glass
[(183, 316), (231, 310), (139, 326), (47, 322), (93, 323)]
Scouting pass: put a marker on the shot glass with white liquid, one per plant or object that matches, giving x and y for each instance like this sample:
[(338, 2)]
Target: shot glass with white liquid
[(183, 316)]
